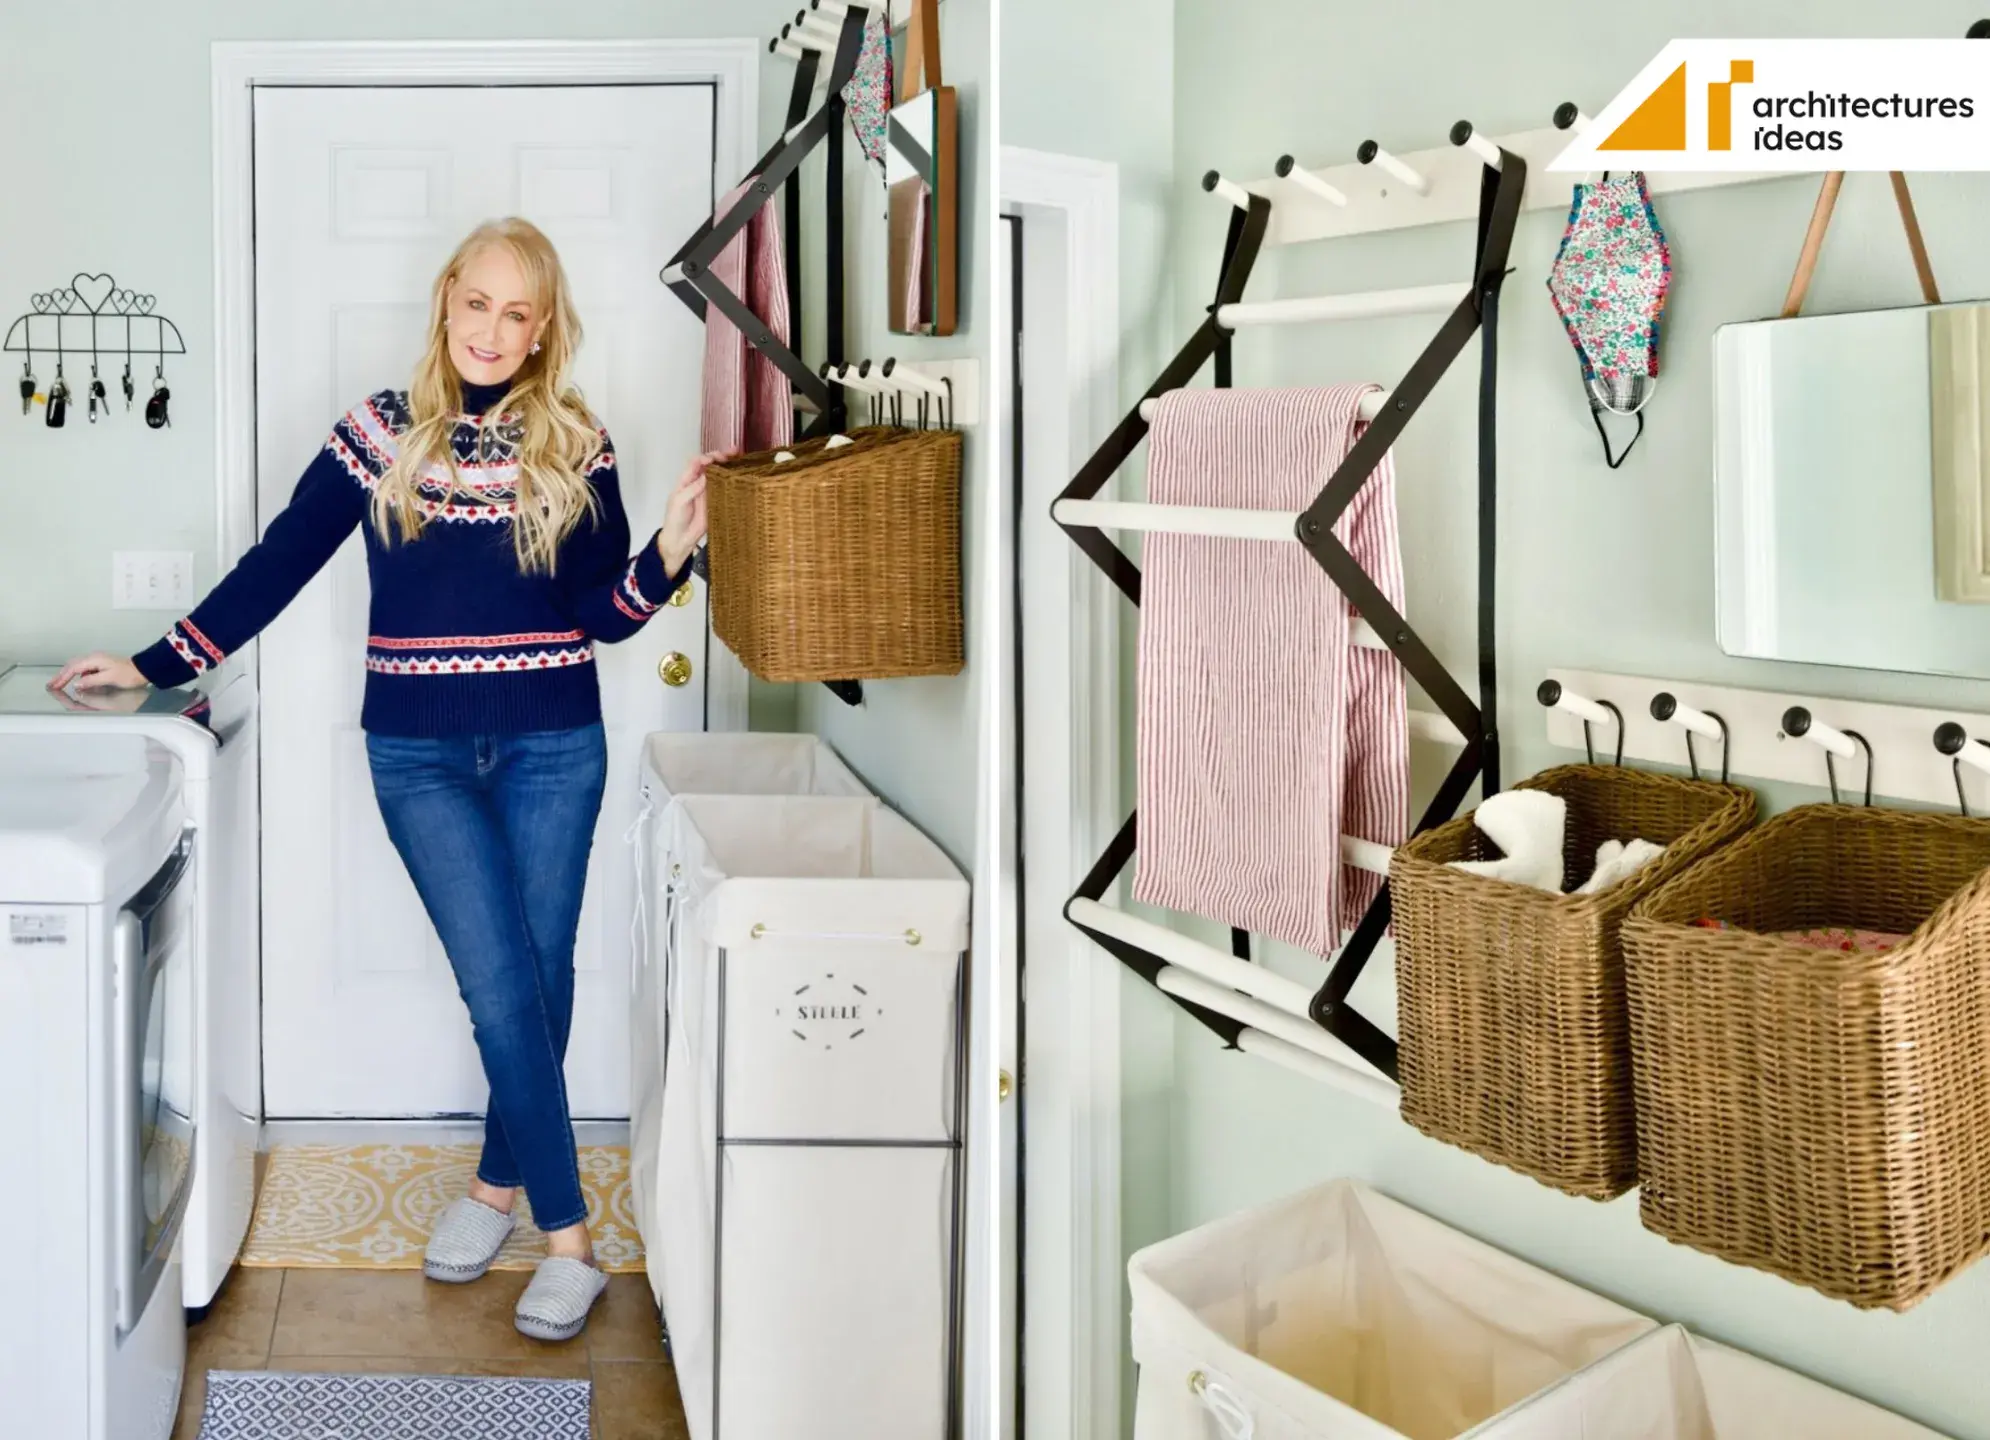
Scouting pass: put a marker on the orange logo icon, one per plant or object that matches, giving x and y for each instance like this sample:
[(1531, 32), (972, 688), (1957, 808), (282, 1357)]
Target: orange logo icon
[(1659, 122)]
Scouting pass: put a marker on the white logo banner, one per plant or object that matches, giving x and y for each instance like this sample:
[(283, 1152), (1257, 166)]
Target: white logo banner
[(1799, 105)]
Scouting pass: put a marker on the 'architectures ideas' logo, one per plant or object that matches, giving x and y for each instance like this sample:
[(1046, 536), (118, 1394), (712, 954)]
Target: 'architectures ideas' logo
[(1797, 105)]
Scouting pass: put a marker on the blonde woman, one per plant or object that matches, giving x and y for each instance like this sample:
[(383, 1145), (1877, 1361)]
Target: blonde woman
[(498, 551)]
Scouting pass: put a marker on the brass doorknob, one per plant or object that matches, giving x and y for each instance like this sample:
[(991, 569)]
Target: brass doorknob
[(1003, 1085), (674, 669), (681, 596)]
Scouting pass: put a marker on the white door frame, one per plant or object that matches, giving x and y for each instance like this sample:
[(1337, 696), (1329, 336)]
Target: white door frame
[(1073, 1276), (240, 66)]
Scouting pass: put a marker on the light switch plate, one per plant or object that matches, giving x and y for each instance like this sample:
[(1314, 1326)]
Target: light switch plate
[(152, 580)]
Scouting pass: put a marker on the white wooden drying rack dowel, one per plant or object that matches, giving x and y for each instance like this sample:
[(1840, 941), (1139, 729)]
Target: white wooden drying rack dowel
[(1190, 954), (1364, 305), (1260, 998), (1463, 134), (786, 49), (1301, 1034), (1136, 515), (1371, 153), (1372, 1088), (1228, 190), (808, 39), (1372, 404), (1290, 169), (1570, 117)]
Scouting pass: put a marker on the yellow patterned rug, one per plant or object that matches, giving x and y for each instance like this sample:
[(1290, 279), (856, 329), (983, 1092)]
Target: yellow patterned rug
[(370, 1207)]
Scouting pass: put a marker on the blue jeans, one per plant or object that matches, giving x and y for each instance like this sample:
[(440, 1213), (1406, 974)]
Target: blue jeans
[(495, 831)]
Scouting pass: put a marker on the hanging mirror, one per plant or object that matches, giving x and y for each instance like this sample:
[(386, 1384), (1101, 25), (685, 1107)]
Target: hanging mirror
[(921, 147)]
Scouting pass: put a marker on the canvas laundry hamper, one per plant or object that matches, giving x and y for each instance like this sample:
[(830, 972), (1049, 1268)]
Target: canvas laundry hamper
[(1340, 1314), (692, 763), (804, 1226), (1674, 1385)]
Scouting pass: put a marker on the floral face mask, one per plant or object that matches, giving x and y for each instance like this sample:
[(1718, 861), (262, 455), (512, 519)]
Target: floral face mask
[(868, 93), (1608, 283)]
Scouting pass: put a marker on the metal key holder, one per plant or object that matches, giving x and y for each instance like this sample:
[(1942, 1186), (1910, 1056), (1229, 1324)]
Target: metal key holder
[(92, 316)]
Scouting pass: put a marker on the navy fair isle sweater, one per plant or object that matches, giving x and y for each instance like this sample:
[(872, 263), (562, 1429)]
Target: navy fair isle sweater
[(459, 641)]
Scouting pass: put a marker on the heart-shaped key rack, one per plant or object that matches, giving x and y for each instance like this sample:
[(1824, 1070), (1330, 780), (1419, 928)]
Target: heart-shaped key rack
[(93, 320)]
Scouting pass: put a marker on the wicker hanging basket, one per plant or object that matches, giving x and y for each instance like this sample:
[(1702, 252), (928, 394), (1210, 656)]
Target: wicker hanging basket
[(1514, 1040), (844, 563), (1821, 1114)]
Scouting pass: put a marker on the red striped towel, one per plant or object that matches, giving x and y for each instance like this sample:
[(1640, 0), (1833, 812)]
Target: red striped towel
[(1264, 734), (748, 402)]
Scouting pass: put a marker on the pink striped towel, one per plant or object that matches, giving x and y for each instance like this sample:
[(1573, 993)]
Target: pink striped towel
[(1264, 734), (748, 402)]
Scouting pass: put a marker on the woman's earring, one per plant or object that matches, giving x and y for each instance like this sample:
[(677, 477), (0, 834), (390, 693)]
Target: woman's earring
[(535, 347)]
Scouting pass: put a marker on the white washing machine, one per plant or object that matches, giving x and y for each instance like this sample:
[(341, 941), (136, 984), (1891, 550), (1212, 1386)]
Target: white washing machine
[(211, 728), (97, 1037)]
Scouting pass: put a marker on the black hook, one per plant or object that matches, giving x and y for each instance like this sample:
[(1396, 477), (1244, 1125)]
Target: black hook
[(1950, 738), (1796, 724), (1664, 705), (1549, 693)]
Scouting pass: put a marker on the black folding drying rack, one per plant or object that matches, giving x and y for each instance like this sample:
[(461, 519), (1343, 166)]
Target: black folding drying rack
[(688, 272), (1499, 208)]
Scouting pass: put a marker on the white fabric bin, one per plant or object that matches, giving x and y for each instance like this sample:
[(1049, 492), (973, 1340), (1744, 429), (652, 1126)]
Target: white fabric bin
[(692, 763), (1340, 1314), (737, 763), (1672, 1385), (803, 1225)]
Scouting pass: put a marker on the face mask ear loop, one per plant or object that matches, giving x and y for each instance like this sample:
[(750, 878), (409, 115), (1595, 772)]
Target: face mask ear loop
[(1596, 414)]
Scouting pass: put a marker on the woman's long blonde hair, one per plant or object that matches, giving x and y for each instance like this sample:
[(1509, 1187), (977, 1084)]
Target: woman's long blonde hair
[(558, 435)]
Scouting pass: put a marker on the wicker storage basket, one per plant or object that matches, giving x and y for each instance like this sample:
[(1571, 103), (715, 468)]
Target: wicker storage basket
[(841, 564), (1514, 1041), (1819, 1114)]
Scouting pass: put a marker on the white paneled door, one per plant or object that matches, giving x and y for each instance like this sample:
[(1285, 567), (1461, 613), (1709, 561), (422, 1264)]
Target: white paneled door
[(361, 194)]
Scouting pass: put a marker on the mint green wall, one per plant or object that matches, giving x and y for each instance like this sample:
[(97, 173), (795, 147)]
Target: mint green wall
[(1097, 79), (1599, 570), (914, 741)]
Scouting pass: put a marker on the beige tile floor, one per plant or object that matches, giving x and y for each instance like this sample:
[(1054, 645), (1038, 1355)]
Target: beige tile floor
[(374, 1321)]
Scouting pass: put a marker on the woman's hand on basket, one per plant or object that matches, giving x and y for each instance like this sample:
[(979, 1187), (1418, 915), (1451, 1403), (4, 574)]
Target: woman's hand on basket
[(684, 521)]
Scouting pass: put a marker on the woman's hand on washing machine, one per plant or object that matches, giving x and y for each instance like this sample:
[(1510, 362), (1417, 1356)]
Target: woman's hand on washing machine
[(101, 702), (684, 522), (99, 670)]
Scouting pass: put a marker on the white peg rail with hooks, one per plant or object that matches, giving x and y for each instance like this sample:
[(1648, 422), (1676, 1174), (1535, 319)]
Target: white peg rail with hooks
[(1314, 197), (1772, 735)]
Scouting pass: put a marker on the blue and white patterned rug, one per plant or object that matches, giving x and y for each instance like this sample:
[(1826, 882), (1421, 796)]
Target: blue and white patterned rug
[(262, 1405)]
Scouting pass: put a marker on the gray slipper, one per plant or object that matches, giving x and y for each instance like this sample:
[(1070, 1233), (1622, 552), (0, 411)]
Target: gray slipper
[(466, 1239), (555, 1305)]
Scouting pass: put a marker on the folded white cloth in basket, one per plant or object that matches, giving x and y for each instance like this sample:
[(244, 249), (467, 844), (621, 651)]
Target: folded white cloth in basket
[(1529, 827), (1617, 861)]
